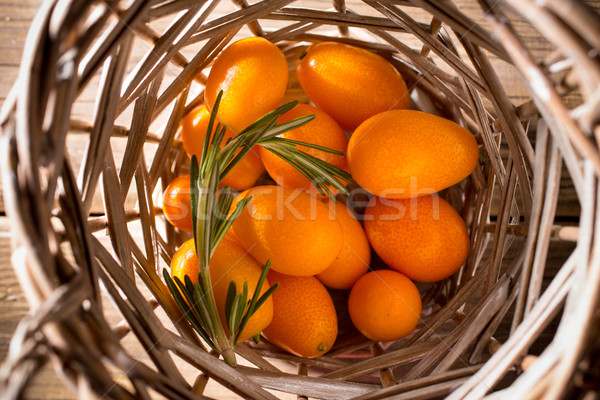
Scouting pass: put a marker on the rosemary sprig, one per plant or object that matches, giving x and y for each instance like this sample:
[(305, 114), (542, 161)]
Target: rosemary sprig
[(211, 221)]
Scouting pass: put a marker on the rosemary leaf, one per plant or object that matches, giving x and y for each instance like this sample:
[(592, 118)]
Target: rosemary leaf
[(253, 138), (257, 300), (311, 166), (287, 126), (183, 306), (234, 312), (238, 311), (211, 121), (316, 146), (194, 173), (231, 292), (224, 203), (228, 222), (265, 119), (199, 305)]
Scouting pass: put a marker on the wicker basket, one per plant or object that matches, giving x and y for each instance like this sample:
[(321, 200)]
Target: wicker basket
[(486, 331)]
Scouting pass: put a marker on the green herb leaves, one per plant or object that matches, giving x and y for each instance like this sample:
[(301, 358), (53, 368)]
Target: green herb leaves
[(211, 219)]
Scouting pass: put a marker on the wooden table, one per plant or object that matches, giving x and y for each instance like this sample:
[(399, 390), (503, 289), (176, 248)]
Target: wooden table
[(15, 19)]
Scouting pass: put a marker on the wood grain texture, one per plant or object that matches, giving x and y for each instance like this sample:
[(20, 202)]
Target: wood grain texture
[(15, 19)]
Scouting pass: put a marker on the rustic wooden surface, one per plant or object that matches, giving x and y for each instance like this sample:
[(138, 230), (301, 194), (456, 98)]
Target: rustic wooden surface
[(15, 19)]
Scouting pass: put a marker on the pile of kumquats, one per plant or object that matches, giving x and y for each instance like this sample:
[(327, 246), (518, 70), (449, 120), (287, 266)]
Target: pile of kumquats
[(316, 245)]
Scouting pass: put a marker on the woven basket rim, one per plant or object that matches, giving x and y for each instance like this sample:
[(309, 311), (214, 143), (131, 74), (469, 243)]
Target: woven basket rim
[(526, 147)]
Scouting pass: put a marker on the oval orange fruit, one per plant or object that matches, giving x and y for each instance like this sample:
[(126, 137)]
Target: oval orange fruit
[(253, 75), (355, 257), (177, 203), (350, 83), (292, 229), (230, 262), (424, 237), (407, 153), (323, 131), (193, 131), (384, 305), (304, 317)]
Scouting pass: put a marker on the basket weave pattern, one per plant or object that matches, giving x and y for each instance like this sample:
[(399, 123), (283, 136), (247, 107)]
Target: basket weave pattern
[(147, 73)]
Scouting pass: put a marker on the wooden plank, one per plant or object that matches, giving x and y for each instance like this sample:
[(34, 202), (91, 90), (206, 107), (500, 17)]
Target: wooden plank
[(47, 385), (13, 307), (15, 19), (17, 16)]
